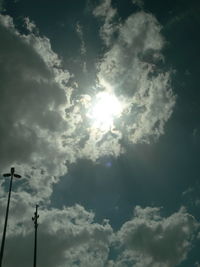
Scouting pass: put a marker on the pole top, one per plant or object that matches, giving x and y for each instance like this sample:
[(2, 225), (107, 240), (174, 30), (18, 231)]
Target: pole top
[(36, 216), (12, 170), (12, 173)]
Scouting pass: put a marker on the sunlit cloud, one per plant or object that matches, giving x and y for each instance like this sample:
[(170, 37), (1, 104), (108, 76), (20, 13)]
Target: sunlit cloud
[(132, 99)]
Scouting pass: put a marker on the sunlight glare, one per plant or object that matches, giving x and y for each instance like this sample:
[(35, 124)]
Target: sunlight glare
[(105, 109)]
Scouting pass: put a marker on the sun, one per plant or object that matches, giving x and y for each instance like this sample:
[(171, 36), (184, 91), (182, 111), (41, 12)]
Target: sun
[(105, 108)]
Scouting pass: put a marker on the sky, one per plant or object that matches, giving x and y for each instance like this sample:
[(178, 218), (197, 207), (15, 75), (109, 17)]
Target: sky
[(99, 104)]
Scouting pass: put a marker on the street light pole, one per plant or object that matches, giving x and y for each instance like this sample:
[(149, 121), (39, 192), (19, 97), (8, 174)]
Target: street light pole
[(12, 174), (35, 218)]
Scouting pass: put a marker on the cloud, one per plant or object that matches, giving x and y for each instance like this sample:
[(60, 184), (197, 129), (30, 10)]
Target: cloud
[(30, 25), (33, 97), (152, 240), (44, 127), (191, 10), (83, 50), (132, 68), (45, 123), (71, 236), (138, 3), (79, 31), (65, 237), (107, 13), (191, 196)]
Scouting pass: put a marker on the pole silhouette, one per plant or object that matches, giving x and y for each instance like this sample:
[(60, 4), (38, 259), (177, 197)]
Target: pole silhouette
[(11, 174), (35, 218)]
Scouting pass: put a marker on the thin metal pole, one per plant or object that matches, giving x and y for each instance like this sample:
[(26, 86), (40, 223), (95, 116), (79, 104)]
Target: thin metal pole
[(35, 218), (6, 218)]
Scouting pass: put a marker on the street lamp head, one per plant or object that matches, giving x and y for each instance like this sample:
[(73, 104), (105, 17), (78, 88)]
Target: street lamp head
[(6, 174), (12, 173), (17, 175)]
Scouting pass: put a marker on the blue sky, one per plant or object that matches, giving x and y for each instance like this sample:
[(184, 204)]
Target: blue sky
[(99, 105)]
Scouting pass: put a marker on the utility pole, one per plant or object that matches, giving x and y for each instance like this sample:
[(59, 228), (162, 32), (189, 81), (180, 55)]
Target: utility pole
[(11, 174), (35, 218)]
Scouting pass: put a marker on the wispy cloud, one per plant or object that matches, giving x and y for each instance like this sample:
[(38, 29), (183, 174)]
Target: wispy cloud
[(107, 13), (191, 196), (79, 31), (139, 3)]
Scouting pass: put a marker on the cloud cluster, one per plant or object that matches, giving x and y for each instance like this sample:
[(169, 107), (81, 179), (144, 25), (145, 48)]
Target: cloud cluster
[(65, 237), (132, 66), (152, 240), (33, 97), (44, 127), (44, 123), (72, 237)]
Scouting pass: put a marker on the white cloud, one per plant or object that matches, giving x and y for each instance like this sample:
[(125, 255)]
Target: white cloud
[(109, 146), (70, 236), (130, 69), (43, 126), (30, 25), (33, 97), (191, 196), (45, 123), (138, 3), (152, 240), (130, 66), (83, 50), (189, 190), (65, 237), (105, 11), (79, 31)]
